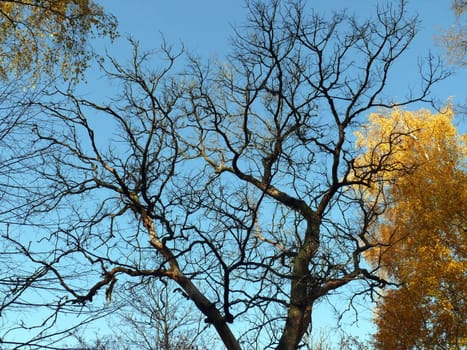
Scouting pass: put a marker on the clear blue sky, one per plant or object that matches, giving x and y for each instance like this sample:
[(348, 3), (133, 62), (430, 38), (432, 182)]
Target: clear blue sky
[(204, 27)]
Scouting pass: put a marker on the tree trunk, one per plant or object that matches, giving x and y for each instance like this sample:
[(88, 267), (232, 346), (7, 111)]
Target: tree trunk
[(204, 305), (207, 308), (300, 309)]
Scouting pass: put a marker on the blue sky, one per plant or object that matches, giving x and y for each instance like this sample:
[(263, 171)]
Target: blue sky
[(205, 26)]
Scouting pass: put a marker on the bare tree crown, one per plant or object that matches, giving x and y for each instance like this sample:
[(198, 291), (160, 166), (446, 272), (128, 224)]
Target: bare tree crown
[(235, 180)]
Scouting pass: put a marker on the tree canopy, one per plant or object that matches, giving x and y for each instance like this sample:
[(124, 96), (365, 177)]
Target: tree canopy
[(421, 234), (38, 36)]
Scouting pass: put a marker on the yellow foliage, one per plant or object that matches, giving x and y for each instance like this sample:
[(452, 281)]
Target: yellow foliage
[(414, 163), (37, 36)]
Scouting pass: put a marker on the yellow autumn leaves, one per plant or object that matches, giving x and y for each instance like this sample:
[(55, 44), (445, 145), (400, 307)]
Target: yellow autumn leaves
[(38, 36), (413, 165)]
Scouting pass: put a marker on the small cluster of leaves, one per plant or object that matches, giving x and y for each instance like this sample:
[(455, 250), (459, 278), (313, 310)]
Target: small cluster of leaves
[(38, 36), (454, 39)]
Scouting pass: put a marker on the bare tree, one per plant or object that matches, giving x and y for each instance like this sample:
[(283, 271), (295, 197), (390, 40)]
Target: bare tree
[(150, 317), (156, 317), (330, 340), (236, 181)]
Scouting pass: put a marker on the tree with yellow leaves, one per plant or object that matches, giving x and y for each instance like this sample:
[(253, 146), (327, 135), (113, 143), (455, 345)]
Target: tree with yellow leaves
[(37, 36), (415, 164)]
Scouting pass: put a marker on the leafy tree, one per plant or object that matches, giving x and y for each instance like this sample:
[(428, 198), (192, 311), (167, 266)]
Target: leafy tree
[(38, 36), (235, 180), (35, 38), (421, 233), (455, 39)]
